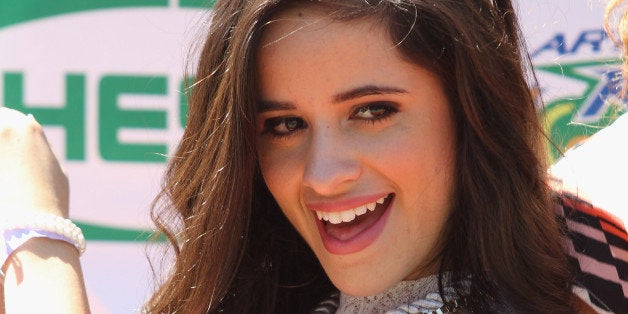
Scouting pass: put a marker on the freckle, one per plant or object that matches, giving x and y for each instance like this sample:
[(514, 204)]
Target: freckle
[(300, 14)]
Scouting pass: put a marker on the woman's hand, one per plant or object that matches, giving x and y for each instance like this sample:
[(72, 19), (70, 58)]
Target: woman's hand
[(30, 176)]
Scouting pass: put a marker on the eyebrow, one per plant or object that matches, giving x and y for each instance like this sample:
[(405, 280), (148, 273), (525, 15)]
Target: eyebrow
[(267, 105), (362, 91), (367, 90)]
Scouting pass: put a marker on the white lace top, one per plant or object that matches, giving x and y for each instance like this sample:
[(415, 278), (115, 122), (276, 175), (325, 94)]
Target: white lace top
[(418, 296)]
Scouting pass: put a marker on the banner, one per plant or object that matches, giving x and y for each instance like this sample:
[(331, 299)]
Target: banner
[(106, 79), (578, 67)]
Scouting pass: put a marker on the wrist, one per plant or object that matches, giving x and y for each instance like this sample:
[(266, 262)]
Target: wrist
[(17, 231), (51, 271), (36, 250)]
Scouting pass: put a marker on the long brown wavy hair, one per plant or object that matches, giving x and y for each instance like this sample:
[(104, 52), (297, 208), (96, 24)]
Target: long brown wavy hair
[(236, 253)]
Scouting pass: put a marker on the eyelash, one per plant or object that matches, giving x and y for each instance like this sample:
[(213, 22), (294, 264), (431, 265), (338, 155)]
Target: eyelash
[(388, 108), (270, 125)]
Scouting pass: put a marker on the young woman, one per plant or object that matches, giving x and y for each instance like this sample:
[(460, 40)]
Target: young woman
[(398, 138), (386, 150)]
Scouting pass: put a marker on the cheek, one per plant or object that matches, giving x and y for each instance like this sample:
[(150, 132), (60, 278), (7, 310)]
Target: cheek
[(280, 172), (403, 152), (419, 160)]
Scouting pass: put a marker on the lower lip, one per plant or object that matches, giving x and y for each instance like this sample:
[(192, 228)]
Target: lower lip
[(357, 243)]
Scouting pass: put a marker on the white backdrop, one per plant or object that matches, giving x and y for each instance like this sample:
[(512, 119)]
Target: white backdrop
[(104, 78)]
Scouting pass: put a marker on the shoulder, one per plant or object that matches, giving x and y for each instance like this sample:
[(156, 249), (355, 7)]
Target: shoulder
[(597, 246), (590, 183)]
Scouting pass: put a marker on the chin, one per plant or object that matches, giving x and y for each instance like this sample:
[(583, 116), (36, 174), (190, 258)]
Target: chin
[(358, 284), (360, 289)]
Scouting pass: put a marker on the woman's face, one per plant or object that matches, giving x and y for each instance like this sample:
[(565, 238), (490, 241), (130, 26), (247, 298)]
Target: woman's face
[(357, 147)]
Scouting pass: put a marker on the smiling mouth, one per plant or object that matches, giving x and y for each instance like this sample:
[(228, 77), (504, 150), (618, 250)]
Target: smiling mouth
[(346, 226), (351, 214)]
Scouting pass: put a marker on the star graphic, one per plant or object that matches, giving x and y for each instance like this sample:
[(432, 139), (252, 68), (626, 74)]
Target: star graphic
[(574, 116)]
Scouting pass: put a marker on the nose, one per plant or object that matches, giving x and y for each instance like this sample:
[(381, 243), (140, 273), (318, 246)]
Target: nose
[(332, 164)]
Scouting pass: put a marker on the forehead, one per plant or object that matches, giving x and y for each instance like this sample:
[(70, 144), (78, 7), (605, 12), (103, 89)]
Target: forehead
[(309, 19), (304, 44)]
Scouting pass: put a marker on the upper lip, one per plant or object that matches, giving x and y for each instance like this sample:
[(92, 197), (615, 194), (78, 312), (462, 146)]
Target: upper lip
[(344, 204)]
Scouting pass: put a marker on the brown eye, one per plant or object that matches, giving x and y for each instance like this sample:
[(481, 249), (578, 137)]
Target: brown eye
[(369, 112), (283, 126), (374, 111), (292, 124)]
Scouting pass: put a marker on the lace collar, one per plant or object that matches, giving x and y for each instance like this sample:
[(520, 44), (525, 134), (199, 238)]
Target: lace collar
[(417, 296), (405, 292)]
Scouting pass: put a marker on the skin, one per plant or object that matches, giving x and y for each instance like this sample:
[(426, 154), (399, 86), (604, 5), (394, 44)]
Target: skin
[(32, 180), (318, 149)]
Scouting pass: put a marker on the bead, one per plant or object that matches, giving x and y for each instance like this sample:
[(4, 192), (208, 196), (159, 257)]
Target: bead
[(64, 228)]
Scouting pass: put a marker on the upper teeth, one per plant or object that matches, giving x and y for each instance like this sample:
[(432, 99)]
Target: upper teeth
[(349, 214)]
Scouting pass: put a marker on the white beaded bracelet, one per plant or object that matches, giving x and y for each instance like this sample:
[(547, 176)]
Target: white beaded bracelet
[(40, 225)]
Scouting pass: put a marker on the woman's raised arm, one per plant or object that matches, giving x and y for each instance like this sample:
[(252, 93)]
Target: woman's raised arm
[(42, 275)]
